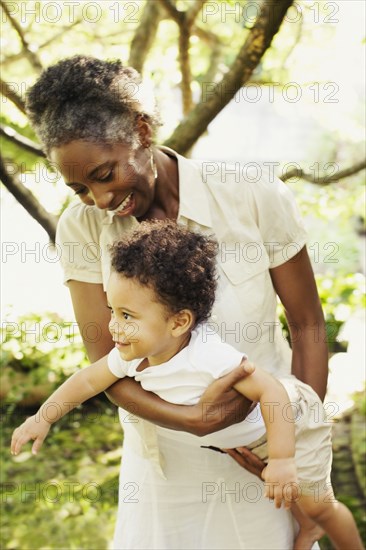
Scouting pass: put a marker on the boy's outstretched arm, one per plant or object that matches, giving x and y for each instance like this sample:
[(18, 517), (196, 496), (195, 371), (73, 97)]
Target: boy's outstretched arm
[(78, 388), (280, 473)]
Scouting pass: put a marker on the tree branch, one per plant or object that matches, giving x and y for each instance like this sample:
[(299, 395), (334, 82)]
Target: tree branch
[(175, 14), (184, 20), (254, 47), (183, 44), (23, 142), (61, 32), (185, 68), (324, 180), (193, 11), (9, 92), (215, 46), (28, 53), (145, 34), (26, 198)]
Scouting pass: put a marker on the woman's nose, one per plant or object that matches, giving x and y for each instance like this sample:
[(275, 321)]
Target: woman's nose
[(102, 199)]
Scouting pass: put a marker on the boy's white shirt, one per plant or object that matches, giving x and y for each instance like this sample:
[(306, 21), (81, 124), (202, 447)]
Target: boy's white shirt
[(183, 379)]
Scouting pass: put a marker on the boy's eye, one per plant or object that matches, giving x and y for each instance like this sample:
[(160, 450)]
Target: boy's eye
[(110, 309), (80, 191), (126, 315)]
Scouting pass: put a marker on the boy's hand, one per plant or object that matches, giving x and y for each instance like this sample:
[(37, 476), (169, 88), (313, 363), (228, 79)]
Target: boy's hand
[(35, 428), (281, 481)]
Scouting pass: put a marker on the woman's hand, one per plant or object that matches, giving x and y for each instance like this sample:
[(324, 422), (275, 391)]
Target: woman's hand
[(247, 460), (221, 405)]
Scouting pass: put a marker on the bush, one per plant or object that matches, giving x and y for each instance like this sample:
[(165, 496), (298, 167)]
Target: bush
[(39, 352)]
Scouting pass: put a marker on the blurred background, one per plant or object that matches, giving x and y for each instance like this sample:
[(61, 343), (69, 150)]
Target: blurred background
[(296, 106)]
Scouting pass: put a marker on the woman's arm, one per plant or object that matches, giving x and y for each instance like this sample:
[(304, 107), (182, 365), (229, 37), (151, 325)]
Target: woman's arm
[(92, 315), (219, 407), (295, 285)]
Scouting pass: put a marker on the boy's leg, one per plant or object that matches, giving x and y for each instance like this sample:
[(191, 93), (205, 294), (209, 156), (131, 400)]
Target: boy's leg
[(335, 518), (309, 531)]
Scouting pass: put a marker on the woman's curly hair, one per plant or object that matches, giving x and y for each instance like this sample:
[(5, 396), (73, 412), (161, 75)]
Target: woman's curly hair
[(177, 264), (86, 98)]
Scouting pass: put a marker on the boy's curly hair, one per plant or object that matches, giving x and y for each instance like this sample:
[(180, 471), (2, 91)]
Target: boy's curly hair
[(82, 97), (179, 265)]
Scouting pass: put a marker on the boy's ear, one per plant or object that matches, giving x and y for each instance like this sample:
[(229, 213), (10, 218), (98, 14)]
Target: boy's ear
[(182, 322)]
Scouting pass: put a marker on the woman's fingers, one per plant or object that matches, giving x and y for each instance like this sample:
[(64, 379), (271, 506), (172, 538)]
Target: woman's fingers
[(247, 460)]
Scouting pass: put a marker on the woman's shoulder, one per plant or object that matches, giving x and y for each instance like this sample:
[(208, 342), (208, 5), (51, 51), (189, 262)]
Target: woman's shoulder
[(80, 221), (79, 212)]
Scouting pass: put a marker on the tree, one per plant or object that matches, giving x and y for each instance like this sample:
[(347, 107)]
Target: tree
[(228, 62)]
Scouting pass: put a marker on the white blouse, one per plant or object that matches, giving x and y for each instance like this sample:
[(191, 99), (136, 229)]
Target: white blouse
[(258, 226)]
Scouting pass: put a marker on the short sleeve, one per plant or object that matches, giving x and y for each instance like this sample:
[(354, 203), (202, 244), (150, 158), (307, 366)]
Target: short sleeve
[(78, 241), (116, 365), (278, 218)]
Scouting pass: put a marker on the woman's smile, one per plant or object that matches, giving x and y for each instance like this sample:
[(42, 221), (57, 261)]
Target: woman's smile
[(126, 207)]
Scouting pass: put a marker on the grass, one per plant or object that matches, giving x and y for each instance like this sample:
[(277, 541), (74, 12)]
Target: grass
[(66, 496)]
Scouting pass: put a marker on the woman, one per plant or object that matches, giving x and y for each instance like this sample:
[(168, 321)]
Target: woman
[(98, 127)]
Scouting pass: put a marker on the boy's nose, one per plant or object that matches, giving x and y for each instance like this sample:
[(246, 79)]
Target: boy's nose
[(115, 330)]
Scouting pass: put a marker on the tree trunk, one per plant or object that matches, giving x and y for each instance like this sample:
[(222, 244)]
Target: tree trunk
[(26, 198)]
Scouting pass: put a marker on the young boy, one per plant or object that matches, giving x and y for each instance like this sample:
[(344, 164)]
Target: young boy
[(161, 293)]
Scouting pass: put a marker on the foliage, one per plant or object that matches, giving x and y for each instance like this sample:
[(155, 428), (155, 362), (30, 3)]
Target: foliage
[(67, 496), (340, 297), (358, 445), (332, 216), (39, 350)]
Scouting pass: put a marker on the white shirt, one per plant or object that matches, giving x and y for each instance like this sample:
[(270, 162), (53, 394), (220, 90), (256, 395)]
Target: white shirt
[(183, 379), (257, 225)]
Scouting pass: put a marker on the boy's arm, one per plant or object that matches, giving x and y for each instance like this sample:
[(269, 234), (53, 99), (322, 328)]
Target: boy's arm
[(277, 414), (78, 388)]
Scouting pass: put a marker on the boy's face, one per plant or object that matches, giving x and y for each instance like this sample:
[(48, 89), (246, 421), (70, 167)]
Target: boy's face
[(140, 326)]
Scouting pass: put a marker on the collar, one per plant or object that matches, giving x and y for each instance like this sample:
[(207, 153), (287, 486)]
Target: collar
[(193, 200)]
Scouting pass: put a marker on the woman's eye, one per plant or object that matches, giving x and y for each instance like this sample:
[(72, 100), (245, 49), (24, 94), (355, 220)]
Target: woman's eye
[(106, 177), (80, 191)]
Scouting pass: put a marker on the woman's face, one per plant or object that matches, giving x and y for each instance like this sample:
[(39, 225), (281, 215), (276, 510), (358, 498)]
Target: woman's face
[(111, 177)]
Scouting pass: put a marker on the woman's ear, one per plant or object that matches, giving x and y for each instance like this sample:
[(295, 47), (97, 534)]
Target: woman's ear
[(182, 322), (144, 131)]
